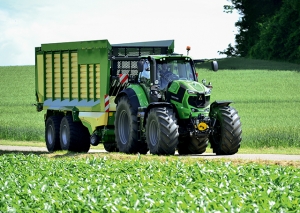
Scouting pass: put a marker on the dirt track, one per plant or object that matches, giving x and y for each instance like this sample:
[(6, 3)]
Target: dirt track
[(273, 157)]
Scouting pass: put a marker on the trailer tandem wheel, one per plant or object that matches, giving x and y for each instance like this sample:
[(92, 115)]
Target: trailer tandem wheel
[(74, 136), (52, 133)]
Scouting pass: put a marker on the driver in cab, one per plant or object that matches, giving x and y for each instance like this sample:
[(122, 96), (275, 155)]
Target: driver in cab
[(166, 75)]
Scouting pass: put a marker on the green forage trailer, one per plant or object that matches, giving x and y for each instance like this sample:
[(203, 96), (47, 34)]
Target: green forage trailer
[(132, 97), (76, 84)]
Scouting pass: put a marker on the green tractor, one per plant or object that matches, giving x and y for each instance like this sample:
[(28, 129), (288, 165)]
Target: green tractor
[(167, 109)]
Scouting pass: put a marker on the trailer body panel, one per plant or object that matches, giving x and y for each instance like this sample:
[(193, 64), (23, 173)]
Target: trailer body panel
[(68, 75)]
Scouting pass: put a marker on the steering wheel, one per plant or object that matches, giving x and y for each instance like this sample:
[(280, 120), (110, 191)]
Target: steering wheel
[(171, 76)]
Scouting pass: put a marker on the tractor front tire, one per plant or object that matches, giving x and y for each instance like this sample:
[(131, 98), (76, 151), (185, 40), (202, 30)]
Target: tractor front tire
[(162, 131), (226, 136), (74, 136), (126, 128), (193, 145), (52, 133)]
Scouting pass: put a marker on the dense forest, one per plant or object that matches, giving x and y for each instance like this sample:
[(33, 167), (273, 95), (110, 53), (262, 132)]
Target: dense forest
[(267, 29)]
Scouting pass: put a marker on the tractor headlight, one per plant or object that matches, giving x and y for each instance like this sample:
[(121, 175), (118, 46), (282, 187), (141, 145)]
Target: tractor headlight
[(207, 91), (192, 92)]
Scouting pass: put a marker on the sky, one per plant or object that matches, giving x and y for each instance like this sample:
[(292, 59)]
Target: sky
[(200, 24)]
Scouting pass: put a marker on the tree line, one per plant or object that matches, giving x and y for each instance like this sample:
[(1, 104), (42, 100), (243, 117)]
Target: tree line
[(267, 29)]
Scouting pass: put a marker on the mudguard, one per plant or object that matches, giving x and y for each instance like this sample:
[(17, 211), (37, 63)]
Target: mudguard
[(220, 103), (215, 106), (136, 96)]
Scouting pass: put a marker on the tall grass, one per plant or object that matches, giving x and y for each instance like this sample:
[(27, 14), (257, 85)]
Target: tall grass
[(18, 117), (267, 102)]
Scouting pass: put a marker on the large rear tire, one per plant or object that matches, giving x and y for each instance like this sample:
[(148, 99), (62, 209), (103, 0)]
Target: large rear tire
[(126, 128), (193, 145), (226, 136), (52, 133), (74, 136), (161, 131)]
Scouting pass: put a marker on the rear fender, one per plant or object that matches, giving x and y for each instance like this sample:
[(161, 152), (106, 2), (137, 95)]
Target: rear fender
[(136, 96)]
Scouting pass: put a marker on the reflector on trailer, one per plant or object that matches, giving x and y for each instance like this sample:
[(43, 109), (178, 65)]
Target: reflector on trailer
[(106, 103)]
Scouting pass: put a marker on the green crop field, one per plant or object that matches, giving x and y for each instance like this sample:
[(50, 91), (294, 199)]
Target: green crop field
[(100, 184), (267, 101), (267, 98), (19, 119)]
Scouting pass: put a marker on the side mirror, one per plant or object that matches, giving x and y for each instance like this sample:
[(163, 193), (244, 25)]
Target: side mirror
[(140, 65), (214, 66)]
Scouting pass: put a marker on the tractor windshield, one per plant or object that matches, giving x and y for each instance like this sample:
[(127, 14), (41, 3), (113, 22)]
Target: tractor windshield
[(171, 70)]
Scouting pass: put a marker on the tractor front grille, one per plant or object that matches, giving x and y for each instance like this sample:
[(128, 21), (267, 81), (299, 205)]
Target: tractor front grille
[(199, 101)]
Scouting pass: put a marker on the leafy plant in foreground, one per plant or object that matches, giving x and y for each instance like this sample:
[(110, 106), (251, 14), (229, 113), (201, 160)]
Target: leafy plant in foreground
[(99, 184)]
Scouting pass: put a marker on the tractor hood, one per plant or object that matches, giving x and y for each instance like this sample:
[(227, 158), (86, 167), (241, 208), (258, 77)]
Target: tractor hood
[(191, 87), (195, 86), (190, 97)]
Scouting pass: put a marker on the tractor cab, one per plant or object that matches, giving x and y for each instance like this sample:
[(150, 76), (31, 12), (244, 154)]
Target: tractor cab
[(159, 71), (169, 69), (165, 69)]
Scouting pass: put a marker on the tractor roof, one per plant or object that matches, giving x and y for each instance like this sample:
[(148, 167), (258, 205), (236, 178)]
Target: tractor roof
[(169, 56), (162, 43), (166, 45)]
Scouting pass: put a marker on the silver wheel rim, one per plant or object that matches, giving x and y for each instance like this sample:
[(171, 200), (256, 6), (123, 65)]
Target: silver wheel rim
[(50, 133), (64, 135), (153, 133), (124, 127)]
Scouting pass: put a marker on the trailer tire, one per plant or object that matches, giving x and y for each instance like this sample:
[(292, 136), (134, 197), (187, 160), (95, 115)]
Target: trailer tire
[(193, 145), (52, 133), (161, 131), (226, 136), (126, 128), (73, 135)]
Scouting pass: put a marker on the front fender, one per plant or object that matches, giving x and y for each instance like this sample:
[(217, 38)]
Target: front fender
[(216, 105)]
